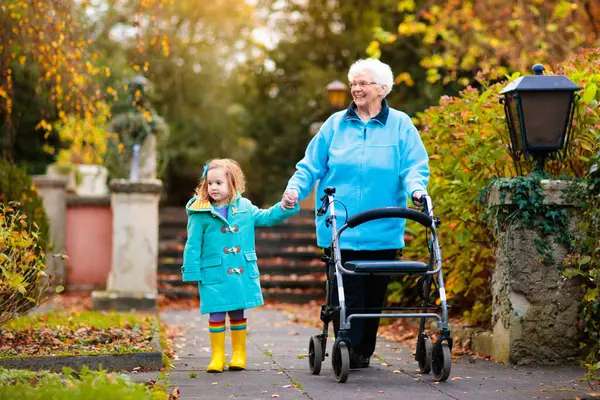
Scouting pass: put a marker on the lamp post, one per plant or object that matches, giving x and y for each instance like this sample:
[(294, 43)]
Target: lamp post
[(336, 94), (539, 112)]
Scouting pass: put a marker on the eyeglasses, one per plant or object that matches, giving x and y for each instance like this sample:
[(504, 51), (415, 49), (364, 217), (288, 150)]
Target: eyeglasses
[(361, 84)]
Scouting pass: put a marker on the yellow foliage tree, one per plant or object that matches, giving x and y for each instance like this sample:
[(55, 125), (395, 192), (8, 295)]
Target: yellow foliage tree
[(48, 36), (459, 38)]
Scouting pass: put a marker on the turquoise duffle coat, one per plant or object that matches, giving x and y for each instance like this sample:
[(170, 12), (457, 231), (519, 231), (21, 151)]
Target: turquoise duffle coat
[(220, 254)]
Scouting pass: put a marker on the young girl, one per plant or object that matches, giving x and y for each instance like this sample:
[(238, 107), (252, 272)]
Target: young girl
[(219, 254)]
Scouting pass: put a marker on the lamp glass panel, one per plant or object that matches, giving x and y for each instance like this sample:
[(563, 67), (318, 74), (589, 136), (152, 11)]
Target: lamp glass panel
[(545, 115), (337, 98), (514, 122)]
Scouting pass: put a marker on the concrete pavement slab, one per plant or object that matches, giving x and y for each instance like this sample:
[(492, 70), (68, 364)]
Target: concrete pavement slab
[(278, 368)]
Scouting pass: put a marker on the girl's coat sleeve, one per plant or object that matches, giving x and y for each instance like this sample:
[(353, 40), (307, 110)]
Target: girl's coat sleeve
[(272, 215), (190, 270)]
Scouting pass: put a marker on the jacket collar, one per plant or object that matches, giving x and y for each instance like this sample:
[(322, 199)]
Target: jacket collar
[(351, 113), (236, 205)]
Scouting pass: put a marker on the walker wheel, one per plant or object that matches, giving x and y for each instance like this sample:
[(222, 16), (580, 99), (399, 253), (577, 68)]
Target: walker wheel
[(340, 361), (441, 363), (315, 354), (425, 363)]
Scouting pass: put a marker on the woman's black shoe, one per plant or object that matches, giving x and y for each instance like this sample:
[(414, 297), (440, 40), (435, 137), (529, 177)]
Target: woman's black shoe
[(358, 361)]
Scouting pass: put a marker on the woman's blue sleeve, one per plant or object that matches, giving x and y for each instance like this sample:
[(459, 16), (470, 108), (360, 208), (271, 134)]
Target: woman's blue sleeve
[(314, 164), (414, 168)]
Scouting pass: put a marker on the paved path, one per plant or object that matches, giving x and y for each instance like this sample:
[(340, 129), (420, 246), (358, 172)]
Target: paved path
[(278, 368)]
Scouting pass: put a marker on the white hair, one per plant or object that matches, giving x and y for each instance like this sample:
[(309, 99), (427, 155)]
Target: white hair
[(380, 72)]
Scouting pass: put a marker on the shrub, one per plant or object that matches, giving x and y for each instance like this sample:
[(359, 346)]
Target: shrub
[(24, 236), (468, 143), (16, 185), (22, 264), (584, 261)]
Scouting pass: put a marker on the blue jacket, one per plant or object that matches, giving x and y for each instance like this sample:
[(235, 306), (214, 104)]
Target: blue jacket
[(220, 254), (373, 164)]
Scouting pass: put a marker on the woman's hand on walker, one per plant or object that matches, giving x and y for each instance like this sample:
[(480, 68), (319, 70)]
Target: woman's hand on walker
[(289, 199), (417, 194)]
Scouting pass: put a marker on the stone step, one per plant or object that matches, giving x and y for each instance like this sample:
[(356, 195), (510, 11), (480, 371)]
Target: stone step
[(275, 295), (173, 233), (299, 269), (169, 216), (290, 253), (290, 229), (294, 296), (265, 282), (265, 239), (303, 244)]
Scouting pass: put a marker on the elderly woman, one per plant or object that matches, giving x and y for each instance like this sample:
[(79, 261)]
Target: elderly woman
[(374, 157)]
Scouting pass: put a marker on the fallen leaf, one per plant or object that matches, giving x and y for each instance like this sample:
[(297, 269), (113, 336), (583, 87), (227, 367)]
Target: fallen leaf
[(174, 394), (275, 396)]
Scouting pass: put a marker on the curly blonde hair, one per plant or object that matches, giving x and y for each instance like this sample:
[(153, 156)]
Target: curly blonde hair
[(236, 182)]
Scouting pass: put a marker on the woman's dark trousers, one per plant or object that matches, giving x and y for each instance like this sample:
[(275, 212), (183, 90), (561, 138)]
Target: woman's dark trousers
[(362, 291)]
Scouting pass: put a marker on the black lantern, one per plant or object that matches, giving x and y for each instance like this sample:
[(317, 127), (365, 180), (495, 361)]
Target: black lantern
[(336, 94), (539, 111)]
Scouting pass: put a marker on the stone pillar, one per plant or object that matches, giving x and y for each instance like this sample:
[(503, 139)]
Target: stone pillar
[(132, 279), (53, 191), (534, 308)]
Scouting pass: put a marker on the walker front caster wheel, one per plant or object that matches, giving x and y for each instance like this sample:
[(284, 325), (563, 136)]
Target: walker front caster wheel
[(315, 354), (441, 363), (340, 361)]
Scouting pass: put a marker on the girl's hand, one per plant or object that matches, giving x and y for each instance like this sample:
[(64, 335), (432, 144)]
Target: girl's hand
[(289, 199)]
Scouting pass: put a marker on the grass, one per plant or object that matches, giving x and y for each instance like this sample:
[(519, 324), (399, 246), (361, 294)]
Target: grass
[(296, 383), (165, 345), (101, 320), (85, 384), (77, 333)]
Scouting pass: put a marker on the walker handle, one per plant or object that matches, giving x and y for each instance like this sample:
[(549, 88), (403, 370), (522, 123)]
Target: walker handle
[(389, 212)]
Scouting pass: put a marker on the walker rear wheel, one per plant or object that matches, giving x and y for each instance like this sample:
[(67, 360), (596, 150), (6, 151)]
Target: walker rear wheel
[(441, 363), (340, 361), (425, 363), (315, 354)]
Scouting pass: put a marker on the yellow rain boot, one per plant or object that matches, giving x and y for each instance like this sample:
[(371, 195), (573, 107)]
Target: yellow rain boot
[(238, 344), (217, 342)]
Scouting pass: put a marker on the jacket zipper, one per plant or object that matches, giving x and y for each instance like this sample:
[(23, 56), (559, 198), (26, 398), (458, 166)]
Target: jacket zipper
[(362, 163)]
